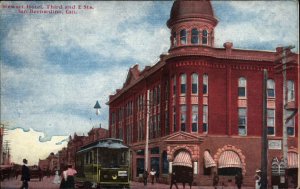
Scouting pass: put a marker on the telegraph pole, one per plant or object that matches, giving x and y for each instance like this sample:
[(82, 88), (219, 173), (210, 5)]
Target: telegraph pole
[(264, 143), (284, 59), (147, 131)]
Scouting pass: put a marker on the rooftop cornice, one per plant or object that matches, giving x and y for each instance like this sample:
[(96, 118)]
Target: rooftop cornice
[(221, 53), (144, 74)]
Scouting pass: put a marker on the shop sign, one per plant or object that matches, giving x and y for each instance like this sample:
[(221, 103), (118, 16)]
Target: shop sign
[(274, 144)]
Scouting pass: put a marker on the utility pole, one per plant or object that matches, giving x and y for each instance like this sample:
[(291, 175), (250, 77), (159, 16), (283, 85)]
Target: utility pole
[(147, 131), (264, 143), (286, 60)]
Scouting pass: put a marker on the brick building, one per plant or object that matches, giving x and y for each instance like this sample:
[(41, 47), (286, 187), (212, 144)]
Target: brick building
[(67, 155), (204, 105)]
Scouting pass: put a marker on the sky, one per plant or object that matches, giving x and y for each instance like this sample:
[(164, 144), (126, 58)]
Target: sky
[(54, 67)]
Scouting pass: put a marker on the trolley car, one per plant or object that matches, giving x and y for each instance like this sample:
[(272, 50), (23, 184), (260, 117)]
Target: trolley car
[(103, 164)]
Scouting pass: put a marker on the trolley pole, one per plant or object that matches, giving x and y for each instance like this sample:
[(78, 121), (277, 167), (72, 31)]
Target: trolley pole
[(147, 131), (264, 140)]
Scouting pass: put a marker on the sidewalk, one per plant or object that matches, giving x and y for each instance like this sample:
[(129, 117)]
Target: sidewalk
[(139, 185)]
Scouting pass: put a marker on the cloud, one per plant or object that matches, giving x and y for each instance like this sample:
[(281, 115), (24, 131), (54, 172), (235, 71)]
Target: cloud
[(27, 145), (260, 25)]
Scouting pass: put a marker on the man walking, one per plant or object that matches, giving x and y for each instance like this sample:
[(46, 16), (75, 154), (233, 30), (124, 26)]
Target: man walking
[(25, 175)]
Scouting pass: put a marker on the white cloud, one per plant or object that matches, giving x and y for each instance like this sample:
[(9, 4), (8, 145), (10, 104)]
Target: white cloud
[(261, 23), (27, 145)]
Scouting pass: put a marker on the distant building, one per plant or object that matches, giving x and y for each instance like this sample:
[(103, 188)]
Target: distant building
[(204, 105), (66, 156)]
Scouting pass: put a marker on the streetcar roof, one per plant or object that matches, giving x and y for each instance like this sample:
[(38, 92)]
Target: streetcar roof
[(109, 143)]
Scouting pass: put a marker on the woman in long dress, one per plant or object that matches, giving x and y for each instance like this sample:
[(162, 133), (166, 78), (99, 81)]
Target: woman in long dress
[(63, 183), (56, 179), (257, 179)]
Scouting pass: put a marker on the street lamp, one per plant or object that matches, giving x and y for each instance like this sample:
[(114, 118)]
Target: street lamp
[(97, 107)]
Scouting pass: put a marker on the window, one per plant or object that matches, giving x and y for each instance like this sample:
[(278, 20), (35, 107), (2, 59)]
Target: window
[(278, 167), (290, 125), (183, 117), (204, 37), (165, 163), (140, 162), (242, 87), (271, 121), (174, 39), (167, 90), (205, 84), (154, 150), (290, 90), (195, 36), (183, 84), (205, 118), (155, 163), (194, 118), (174, 85), (194, 83), (183, 36), (174, 118), (271, 88), (242, 112), (167, 123)]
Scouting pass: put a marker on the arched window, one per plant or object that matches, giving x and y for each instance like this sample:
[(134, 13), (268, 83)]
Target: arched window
[(242, 87), (183, 84), (194, 83), (204, 37), (271, 88), (195, 36), (174, 39), (229, 163), (183, 36)]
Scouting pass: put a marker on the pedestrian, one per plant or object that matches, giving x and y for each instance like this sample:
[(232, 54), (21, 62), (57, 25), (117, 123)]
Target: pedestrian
[(152, 175), (145, 177), (173, 180), (63, 183), (257, 178), (215, 180), (56, 179), (70, 177), (157, 176), (239, 180), (25, 178)]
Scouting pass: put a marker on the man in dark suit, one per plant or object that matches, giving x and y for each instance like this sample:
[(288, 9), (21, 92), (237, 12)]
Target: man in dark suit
[(25, 175)]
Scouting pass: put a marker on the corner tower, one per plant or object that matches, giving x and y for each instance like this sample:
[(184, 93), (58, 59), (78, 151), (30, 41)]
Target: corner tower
[(192, 23)]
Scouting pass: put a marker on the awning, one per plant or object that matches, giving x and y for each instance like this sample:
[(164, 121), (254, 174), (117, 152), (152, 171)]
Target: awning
[(208, 160), (292, 160), (183, 159), (229, 159)]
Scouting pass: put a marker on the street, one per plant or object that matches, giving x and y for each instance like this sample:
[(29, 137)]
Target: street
[(47, 183)]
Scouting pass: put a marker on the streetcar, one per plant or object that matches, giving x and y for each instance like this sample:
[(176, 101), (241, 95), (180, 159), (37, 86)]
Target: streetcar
[(103, 164)]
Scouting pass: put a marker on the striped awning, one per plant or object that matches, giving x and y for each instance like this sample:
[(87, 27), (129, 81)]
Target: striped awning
[(208, 160), (292, 160), (183, 158), (229, 159)]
